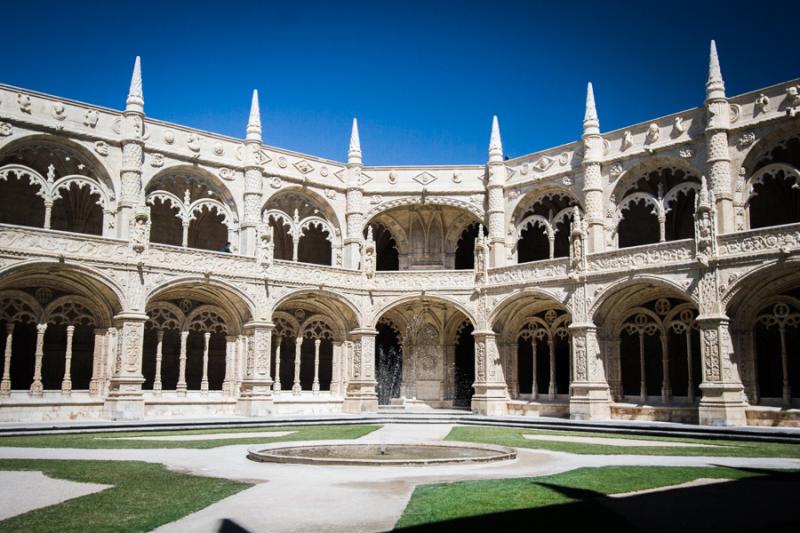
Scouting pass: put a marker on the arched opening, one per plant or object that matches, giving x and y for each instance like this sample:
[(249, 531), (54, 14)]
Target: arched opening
[(777, 341), (427, 345), (388, 362), (425, 237), (304, 228), (314, 245), (464, 375), (775, 186), (656, 206), (465, 249), (543, 353), (543, 230), (20, 201), (51, 183), (78, 209), (309, 345), (166, 226), (191, 209), (387, 257), (54, 321)]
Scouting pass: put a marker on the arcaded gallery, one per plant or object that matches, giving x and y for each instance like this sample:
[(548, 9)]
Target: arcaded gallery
[(651, 273)]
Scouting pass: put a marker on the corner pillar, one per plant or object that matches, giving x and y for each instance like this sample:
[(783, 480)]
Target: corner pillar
[(589, 392), (256, 393), (722, 402), (491, 392), (125, 398), (360, 394)]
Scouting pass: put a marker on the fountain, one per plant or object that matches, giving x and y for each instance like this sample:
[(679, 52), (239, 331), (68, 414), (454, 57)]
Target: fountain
[(350, 453)]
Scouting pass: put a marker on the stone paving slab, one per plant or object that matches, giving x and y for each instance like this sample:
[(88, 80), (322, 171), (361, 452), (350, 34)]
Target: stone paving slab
[(209, 436), (25, 491), (610, 441)]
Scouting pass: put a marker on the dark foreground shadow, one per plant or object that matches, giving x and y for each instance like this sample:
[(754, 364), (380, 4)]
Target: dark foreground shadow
[(769, 502), (226, 525)]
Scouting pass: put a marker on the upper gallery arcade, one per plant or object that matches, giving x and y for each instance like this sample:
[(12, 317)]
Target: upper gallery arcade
[(148, 269)]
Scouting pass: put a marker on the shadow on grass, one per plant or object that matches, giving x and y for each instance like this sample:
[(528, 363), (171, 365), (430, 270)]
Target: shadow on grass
[(766, 502)]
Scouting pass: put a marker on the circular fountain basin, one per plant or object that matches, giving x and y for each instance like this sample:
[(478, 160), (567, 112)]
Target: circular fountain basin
[(350, 453)]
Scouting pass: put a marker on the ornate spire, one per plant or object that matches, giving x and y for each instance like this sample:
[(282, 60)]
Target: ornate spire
[(591, 124), (254, 122), (715, 86), (495, 143), (703, 195), (354, 153), (135, 101)]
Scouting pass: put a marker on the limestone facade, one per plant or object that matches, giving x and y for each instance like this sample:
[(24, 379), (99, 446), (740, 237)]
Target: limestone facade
[(148, 269)]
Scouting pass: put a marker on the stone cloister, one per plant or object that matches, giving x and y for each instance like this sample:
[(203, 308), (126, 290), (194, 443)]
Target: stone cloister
[(149, 270)]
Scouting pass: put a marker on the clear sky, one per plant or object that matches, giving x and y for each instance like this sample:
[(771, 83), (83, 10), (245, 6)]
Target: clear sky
[(424, 78)]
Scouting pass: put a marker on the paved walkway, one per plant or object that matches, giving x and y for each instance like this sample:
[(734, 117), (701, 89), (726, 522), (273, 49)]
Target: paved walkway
[(298, 498)]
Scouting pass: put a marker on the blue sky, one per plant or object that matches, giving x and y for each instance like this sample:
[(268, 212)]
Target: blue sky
[(424, 78)]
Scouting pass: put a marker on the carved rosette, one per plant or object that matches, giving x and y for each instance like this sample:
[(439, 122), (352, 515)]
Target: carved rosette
[(132, 337), (367, 349)]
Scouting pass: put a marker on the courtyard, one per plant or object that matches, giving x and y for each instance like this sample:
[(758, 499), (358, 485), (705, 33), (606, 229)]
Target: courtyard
[(202, 480)]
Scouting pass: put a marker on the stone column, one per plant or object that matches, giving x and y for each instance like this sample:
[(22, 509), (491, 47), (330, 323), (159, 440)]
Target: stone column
[(491, 393), (551, 389), (298, 344), (496, 214), (354, 214), (276, 387), (98, 357), (642, 370), (315, 385), (48, 213), (534, 370), (256, 395), (66, 383), (718, 161), (125, 399), (180, 387), (230, 366), (592, 179), (666, 385), (615, 377), (132, 132), (159, 355), (722, 402), (589, 392), (689, 365), (336, 371), (5, 383), (253, 178), (360, 395), (204, 380), (36, 387), (109, 359)]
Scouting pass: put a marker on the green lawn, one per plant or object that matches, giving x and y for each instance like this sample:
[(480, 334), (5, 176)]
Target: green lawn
[(115, 439), (144, 496), (723, 448), (571, 501)]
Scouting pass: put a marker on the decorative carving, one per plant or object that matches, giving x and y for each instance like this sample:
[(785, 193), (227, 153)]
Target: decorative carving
[(169, 136), (140, 229), (6, 129), (627, 140), (218, 148), (543, 163), (564, 158), (457, 176), (276, 183), (323, 171), (227, 174), (653, 133), (193, 142), (282, 162), (156, 160), (424, 178), (687, 152), (266, 245), (481, 261), (90, 118), (101, 147), (761, 103), (303, 166), (24, 103), (678, 127), (368, 260), (615, 170), (330, 194), (746, 138), (393, 177)]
